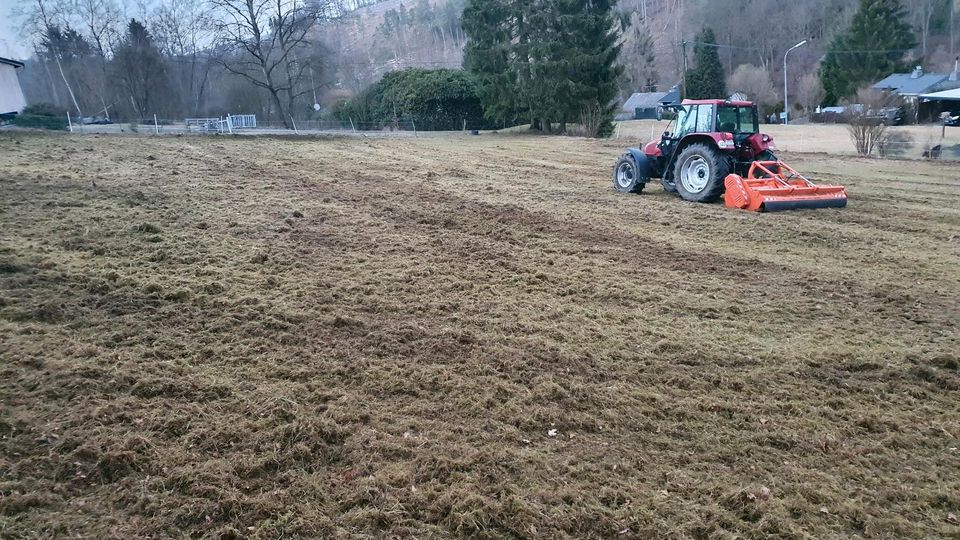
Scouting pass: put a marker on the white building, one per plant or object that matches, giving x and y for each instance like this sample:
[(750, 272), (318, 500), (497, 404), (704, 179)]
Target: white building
[(11, 95)]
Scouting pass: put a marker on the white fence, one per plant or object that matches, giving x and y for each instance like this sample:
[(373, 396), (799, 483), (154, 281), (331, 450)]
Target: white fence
[(221, 125), (242, 121)]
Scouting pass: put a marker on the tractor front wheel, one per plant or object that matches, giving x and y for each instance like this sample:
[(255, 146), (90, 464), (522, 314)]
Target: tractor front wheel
[(626, 177), (700, 172)]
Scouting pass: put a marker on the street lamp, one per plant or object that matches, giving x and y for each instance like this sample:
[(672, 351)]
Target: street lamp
[(786, 106)]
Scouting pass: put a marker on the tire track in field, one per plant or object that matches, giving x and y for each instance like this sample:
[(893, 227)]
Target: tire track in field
[(414, 206)]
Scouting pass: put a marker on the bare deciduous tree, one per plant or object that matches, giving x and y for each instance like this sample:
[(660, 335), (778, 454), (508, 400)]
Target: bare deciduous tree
[(809, 92), (182, 31), (99, 19), (264, 38), (640, 70), (868, 128), (923, 11), (40, 17), (754, 81)]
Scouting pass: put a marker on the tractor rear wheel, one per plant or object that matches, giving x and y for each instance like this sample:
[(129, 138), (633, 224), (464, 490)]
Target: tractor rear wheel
[(700, 172), (626, 177)]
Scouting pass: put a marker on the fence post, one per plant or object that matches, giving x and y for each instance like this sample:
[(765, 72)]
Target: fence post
[(353, 126), (464, 124), (229, 125), (69, 122), (414, 127), (156, 126)]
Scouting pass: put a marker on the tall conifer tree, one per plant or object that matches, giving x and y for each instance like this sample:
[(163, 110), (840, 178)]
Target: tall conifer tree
[(705, 80), (872, 48)]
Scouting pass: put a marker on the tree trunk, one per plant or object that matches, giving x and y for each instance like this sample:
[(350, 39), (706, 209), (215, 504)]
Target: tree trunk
[(276, 102), (276, 97), (201, 89), (53, 83)]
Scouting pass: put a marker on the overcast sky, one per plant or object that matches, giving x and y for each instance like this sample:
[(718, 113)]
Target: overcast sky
[(11, 44)]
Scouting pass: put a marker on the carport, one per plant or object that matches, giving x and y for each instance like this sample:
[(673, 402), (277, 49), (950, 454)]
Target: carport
[(940, 102)]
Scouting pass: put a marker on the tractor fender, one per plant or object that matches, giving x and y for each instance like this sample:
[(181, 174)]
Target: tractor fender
[(716, 140), (645, 166), (652, 149)]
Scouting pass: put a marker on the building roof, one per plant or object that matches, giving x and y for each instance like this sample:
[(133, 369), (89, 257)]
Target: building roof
[(10, 62), (644, 100), (673, 96), (947, 95), (717, 102), (652, 100), (906, 84)]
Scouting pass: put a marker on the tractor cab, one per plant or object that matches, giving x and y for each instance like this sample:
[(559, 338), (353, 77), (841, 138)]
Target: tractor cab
[(731, 124)]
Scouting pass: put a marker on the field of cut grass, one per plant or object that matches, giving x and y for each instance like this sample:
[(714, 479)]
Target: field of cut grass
[(906, 141), (466, 337)]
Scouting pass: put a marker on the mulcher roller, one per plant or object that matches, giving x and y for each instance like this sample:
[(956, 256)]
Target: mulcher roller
[(771, 186)]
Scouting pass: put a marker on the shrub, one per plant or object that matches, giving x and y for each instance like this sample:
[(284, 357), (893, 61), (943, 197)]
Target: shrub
[(45, 109), (43, 116), (596, 122), (895, 143), (867, 126), (40, 121), (435, 99)]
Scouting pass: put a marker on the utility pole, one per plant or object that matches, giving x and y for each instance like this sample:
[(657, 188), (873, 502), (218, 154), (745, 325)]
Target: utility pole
[(786, 106), (683, 76)]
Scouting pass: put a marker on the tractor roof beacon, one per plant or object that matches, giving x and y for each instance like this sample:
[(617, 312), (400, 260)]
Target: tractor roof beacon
[(714, 149)]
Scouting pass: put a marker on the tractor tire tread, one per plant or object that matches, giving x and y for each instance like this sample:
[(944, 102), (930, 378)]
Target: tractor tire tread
[(719, 166), (638, 183)]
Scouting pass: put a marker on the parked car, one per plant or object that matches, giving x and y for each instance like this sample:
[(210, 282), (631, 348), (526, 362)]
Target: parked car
[(890, 116), (96, 120), (953, 121)]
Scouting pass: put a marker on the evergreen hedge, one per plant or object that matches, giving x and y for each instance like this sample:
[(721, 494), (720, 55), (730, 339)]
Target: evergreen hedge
[(434, 99)]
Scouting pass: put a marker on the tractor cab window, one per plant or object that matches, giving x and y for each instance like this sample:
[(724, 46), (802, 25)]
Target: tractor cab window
[(686, 121), (736, 120), (704, 119)]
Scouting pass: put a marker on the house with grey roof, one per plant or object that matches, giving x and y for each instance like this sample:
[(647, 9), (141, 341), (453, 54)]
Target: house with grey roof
[(648, 105), (916, 83), (914, 88), (11, 95)]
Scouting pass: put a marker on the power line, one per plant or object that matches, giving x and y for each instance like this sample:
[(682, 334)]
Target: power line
[(829, 51)]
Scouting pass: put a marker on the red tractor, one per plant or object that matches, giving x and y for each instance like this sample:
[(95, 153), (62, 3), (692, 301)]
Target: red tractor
[(714, 148)]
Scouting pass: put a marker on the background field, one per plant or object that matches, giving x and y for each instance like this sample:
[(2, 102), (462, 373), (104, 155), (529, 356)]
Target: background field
[(257, 337), (909, 141)]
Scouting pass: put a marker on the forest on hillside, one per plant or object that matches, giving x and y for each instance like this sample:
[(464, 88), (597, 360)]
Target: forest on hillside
[(131, 59)]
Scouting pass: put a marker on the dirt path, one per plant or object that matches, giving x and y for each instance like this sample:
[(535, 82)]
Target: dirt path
[(466, 337)]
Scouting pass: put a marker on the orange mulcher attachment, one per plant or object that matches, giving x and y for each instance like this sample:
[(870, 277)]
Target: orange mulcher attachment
[(765, 191)]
